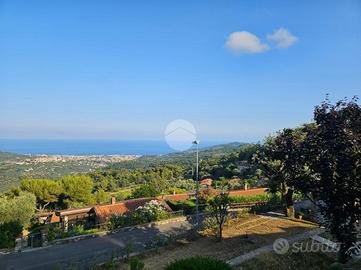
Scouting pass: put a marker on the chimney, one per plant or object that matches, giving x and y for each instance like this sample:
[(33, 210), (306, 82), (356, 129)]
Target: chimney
[(112, 200)]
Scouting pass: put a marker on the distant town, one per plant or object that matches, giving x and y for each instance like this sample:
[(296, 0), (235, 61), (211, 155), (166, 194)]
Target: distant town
[(101, 159)]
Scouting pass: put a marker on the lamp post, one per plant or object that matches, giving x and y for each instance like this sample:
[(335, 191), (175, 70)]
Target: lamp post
[(196, 142)]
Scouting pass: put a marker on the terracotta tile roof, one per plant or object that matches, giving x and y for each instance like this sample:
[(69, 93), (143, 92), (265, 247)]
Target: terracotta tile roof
[(102, 212)]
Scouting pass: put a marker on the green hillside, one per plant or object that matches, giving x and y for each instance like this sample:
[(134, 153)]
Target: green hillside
[(13, 168), (180, 158)]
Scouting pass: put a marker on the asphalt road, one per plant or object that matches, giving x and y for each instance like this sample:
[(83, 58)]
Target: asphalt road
[(86, 252)]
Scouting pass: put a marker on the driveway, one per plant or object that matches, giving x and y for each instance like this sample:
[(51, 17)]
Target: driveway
[(86, 252)]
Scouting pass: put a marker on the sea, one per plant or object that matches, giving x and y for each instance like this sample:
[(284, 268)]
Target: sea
[(91, 147)]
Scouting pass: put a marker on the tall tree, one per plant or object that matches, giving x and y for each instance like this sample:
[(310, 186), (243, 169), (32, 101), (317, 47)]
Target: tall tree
[(334, 154), (77, 191), (46, 191), (282, 164)]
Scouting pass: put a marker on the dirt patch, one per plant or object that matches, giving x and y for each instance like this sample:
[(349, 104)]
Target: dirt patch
[(240, 236)]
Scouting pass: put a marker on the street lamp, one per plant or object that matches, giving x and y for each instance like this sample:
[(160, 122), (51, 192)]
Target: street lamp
[(196, 142)]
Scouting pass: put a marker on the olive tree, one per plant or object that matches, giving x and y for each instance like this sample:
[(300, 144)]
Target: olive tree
[(219, 206)]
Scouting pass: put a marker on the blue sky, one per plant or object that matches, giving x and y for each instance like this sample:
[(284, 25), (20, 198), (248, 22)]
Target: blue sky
[(125, 69)]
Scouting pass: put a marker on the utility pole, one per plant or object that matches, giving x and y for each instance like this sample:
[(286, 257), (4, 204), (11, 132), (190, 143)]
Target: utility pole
[(197, 182)]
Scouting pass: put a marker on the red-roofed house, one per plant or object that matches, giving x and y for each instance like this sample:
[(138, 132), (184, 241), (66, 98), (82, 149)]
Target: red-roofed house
[(102, 212)]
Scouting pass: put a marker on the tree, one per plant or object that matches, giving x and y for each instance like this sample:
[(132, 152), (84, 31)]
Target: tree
[(333, 152), (219, 206), (17, 208), (145, 191), (77, 191), (282, 163), (9, 231), (100, 196), (46, 191)]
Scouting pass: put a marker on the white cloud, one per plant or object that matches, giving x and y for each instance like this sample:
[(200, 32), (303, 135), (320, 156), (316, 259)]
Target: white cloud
[(282, 37), (245, 42)]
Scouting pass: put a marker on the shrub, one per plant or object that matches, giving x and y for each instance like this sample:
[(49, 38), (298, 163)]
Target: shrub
[(188, 207), (198, 263), (206, 194), (118, 221), (8, 233), (151, 211)]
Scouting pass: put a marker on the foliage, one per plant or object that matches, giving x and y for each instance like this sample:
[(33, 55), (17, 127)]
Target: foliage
[(198, 263), (100, 196), (119, 221), (9, 231), (333, 152), (46, 191), (136, 264), (151, 211), (17, 208), (57, 232), (205, 195), (145, 191), (188, 207), (219, 207), (282, 163), (210, 226), (185, 184), (252, 198), (77, 191)]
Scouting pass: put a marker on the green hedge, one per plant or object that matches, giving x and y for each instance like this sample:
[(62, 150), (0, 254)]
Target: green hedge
[(252, 198), (198, 263)]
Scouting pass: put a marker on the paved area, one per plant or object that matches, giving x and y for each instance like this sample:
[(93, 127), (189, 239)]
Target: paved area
[(87, 252)]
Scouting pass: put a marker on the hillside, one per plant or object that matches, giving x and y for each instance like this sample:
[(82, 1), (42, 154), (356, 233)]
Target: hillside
[(181, 158), (14, 167)]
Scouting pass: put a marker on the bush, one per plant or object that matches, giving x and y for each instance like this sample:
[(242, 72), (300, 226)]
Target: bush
[(188, 207), (118, 221), (151, 211), (206, 194), (9, 231), (198, 263)]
